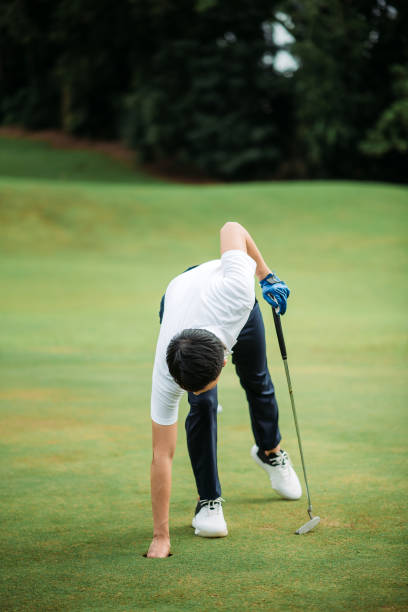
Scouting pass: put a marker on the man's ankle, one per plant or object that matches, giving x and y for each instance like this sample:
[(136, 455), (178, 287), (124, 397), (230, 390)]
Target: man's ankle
[(273, 450)]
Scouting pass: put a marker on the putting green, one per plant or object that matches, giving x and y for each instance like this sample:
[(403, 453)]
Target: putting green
[(83, 266)]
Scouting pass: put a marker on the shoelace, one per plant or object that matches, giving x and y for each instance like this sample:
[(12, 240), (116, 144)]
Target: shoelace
[(212, 504), (280, 460)]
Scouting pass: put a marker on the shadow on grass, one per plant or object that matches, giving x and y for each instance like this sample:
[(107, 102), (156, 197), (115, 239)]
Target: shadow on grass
[(261, 501)]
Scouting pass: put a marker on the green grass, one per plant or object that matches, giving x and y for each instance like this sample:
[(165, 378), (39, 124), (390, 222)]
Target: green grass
[(83, 265), (25, 158)]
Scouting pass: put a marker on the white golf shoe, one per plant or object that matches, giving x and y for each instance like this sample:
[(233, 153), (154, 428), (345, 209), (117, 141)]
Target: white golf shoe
[(280, 471), (209, 519)]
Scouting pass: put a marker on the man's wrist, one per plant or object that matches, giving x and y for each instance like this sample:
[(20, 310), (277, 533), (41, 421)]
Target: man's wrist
[(161, 532), (261, 273), (161, 536)]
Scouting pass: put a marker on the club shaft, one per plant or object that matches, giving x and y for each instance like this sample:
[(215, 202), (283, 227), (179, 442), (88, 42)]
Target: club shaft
[(282, 346), (292, 401)]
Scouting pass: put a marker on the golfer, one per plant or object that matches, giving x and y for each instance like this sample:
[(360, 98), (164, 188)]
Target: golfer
[(208, 313)]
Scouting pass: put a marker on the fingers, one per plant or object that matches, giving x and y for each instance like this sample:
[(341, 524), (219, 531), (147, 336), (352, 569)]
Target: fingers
[(277, 300), (281, 303), (275, 293), (271, 299)]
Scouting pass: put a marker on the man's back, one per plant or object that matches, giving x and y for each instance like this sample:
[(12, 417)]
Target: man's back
[(217, 296)]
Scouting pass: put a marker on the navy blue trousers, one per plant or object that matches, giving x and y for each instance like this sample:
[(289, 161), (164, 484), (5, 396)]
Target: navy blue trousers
[(249, 358)]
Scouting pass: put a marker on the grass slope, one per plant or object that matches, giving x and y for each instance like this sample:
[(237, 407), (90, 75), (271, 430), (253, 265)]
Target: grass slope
[(83, 266), (25, 158)]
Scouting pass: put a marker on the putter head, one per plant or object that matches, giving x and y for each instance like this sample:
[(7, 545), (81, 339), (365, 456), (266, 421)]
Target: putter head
[(308, 526)]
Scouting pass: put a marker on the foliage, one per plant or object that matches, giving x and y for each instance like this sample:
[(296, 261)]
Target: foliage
[(27, 92), (344, 82), (205, 96), (390, 133), (196, 83), (66, 63)]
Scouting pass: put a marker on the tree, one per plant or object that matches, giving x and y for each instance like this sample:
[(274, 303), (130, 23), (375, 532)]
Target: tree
[(390, 132), (195, 81), (27, 92), (204, 96), (344, 83), (66, 63)]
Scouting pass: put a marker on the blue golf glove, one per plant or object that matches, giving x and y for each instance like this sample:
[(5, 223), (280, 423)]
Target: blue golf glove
[(275, 292)]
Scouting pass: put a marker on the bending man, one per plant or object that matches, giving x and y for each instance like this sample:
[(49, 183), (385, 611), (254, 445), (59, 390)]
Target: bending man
[(206, 312)]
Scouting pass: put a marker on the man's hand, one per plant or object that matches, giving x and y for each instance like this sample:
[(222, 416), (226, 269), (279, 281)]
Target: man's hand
[(159, 548), (275, 292)]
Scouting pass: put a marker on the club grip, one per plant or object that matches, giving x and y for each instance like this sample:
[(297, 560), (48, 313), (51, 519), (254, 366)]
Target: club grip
[(279, 333)]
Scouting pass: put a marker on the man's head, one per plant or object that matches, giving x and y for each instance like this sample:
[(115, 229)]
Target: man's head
[(195, 358)]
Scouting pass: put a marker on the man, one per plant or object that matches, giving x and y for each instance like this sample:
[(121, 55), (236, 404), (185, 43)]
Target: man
[(208, 311)]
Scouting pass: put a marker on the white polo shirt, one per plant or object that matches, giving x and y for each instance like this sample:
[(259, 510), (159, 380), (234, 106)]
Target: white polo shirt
[(218, 296)]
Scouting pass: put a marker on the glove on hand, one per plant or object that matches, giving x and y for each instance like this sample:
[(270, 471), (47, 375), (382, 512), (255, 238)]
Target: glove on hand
[(275, 292)]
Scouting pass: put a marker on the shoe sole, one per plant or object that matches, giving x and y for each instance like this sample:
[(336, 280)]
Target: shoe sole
[(263, 466), (208, 534)]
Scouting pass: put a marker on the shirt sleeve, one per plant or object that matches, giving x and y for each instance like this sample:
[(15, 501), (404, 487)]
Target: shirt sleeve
[(165, 396), (238, 272)]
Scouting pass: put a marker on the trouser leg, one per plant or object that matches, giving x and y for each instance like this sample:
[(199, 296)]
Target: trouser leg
[(249, 358), (201, 430)]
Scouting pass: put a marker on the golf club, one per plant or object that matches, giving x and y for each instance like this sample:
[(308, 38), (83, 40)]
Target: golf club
[(314, 520)]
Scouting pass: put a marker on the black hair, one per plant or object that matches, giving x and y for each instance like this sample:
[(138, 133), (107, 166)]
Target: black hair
[(195, 358)]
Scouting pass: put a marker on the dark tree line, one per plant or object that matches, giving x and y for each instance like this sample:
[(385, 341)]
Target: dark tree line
[(195, 82)]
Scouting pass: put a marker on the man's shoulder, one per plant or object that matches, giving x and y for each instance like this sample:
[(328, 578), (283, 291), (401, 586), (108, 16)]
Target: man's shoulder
[(195, 273)]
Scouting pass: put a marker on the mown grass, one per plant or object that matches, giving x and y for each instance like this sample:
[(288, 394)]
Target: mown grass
[(83, 266), (25, 158)]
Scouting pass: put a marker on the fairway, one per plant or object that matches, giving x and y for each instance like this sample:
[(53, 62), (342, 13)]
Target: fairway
[(84, 262)]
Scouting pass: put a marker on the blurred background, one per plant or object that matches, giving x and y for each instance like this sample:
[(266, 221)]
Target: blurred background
[(231, 90), (167, 118)]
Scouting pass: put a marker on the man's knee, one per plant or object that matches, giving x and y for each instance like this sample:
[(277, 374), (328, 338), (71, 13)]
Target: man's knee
[(206, 403), (258, 383)]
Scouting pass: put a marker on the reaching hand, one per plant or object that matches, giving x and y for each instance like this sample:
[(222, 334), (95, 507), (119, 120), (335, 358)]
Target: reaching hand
[(275, 292), (159, 548)]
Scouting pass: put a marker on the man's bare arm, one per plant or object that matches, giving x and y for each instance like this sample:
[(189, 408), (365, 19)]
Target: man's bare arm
[(235, 236), (164, 445)]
